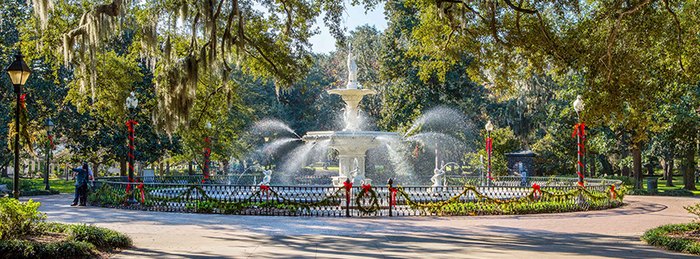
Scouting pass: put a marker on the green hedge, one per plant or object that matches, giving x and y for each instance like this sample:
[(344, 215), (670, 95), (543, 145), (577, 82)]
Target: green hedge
[(83, 242), (660, 237)]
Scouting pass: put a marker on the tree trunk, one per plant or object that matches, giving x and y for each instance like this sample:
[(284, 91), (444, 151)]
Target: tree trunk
[(167, 168), (122, 166), (689, 168), (637, 167), (190, 171), (669, 172), (607, 167)]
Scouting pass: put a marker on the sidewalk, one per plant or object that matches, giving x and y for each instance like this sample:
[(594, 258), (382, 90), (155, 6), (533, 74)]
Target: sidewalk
[(598, 234)]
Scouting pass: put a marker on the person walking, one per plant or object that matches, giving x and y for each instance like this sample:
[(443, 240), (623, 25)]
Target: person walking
[(81, 185)]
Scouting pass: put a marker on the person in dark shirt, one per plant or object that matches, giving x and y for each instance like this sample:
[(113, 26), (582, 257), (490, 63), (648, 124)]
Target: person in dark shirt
[(81, 185)]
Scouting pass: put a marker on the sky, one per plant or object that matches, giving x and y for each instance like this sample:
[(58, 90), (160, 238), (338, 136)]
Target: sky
[(354, 17)]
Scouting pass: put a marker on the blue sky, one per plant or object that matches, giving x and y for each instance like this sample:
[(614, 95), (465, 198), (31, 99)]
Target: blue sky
[(354, 17)]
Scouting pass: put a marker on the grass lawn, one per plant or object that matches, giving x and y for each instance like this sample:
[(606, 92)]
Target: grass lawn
[(677, 182), (59, 185)]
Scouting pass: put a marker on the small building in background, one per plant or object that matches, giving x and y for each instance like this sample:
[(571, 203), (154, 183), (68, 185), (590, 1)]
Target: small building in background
[(527, 157)]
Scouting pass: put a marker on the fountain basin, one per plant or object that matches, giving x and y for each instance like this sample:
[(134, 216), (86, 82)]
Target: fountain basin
[(352, 148)]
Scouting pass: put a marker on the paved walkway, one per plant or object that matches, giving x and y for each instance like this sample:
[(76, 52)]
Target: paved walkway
[(611, 233)]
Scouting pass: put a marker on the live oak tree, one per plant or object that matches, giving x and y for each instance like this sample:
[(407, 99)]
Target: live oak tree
[(625, 53)]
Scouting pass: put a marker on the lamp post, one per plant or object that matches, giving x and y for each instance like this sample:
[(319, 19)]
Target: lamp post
[(19, 73), (207, 151), (131, 104), (49, 148), (579, 131), (489, 149)]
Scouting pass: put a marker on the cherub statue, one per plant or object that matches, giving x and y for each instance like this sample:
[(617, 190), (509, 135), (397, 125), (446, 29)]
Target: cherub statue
[(267, 177)]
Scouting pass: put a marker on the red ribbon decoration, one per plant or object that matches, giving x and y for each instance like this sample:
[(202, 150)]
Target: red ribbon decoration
[(580, 131), (128, 185), (613, 194), (264, 188), (53, 146), (22, 101), (366, 188), (348, 186), (392, 192), (536, 190), (143, 197), (489, 151)]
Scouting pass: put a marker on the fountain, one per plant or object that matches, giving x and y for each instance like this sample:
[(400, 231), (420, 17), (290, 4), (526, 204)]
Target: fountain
[(351, 143)]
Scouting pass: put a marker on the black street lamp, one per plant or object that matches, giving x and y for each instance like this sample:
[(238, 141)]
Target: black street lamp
[(49, 148), (19, 73), (207, 151)]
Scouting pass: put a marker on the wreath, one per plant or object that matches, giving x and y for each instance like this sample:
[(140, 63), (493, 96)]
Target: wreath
[(374, 201)]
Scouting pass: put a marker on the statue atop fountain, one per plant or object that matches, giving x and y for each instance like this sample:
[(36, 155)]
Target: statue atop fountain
[(352, 71)]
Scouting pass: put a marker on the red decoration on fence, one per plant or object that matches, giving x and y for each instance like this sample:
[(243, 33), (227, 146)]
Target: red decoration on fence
[(366, 188), (143, 197), (348, 186), (392, 192), (536, 190), (128, 185), (613, 194), (264, 188)]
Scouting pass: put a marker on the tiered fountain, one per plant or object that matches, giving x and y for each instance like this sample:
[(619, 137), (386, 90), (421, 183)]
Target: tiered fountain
[(351, 143)]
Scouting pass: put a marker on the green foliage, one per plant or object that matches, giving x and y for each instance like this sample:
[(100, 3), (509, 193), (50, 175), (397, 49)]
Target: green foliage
[(660, 236), (15, 248), (19, 219), (102, 238), (81, 241)]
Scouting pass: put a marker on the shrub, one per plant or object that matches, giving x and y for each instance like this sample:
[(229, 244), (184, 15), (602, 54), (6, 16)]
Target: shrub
[(18, 219), (101, 237), (29, 249), (660, 237)]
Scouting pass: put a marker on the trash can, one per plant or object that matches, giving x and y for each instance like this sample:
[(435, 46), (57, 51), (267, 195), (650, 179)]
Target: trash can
[(652, 184)]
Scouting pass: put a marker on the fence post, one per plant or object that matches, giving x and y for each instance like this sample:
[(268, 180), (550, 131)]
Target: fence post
[(348, 187), (390, 182)]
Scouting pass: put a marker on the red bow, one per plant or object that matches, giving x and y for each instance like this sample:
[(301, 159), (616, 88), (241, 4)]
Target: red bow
[(580, 130), (143, 197), (348, 186), (612, 192), (22, 101), (536, 190), (366, 188), (264, 188), (131, 124), (392, 192)]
